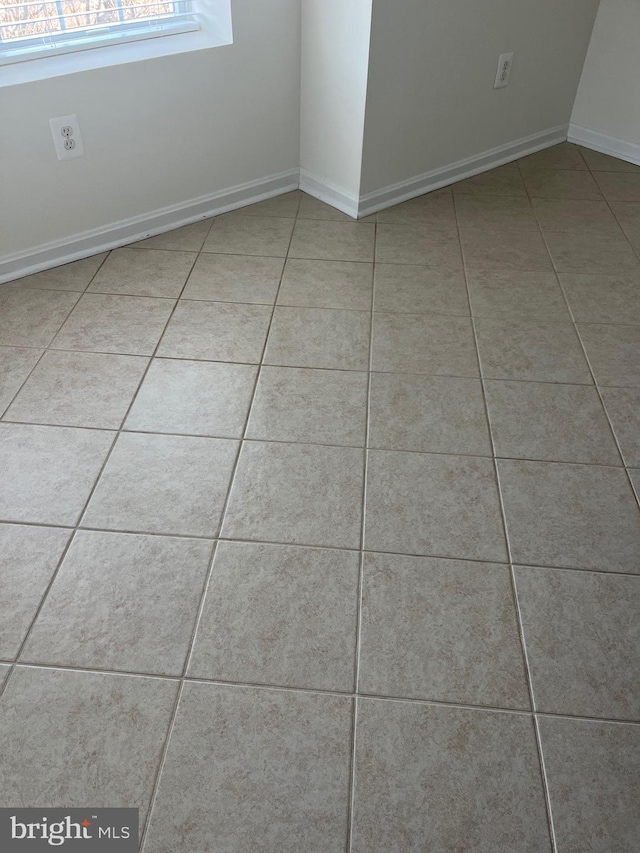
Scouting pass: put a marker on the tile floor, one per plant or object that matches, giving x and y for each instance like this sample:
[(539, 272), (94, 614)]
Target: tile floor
[(322, 536)]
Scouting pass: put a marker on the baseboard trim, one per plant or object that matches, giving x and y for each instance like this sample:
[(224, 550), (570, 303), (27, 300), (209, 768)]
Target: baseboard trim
[(442, 177), (329, 193), (117, 234), (605, 144)]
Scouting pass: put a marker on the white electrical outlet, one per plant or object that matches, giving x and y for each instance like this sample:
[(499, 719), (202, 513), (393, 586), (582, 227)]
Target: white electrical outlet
[(67, 138), (505, 64)]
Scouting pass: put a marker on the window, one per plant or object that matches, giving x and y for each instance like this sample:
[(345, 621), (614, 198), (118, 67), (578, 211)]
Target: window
[(31, 29)]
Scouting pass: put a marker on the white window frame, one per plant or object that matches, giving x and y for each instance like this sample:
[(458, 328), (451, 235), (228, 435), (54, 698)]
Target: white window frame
[(214, 29)]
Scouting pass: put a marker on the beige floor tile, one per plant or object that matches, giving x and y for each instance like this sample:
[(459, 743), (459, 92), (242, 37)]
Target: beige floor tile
[(327, 284), (148, 589), (582, 637), (31, 318), (533, 351), (516, 295), (504, 249), (574, 516), (299, 614), (102, 734), (575, 215), (592, 253), (634, 476), (478, 771), (274, 767), (408, 649), (335, 241), (437, 414), (432, 344), (163, 484), (485, 211), (48, 472), (565, 183), (297, 493), (149, 273), (319, 337), (619, 186), (28, 558), (234, 234), (594, 784), (108, 323), (74, 276), (553, 422), (82, 389), (603, 298), (16, 363), (284, 205), (216, 331), (434, 208), (623, 407), (505, 180), (405, 289), (312, 406), (562, 156), (189, 238), (433, 505), (194, 397), (415, 244), (313, 208), (234, 278), (604, 163), (628, 215), (613, 352)]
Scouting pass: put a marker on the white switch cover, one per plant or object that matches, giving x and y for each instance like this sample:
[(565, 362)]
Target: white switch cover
[(505, 64), (67, 138)]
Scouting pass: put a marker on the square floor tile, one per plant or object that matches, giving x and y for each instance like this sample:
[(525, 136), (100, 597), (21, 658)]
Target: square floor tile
[(623, 408), (628, 215), (74, 276), (613, 352), (438, 414), (122, 602), (437, 248), (434, 344), (618, 186), (603, 298), (109, 323), (163, 484), (593, 774), (298, 623), (285, 205), (148, 273), (575, 215), (314, 406), (435, 208), (565, 183), (30, 318), (194, 397), (327, 284), (562, 156), (335, 241), (435, 778), (516, 295), (486, 211), (534, 351), (599, 162), (48, 472), (586, 252), (102, 736), (16, 363), (249, 767), (578, 516), (440, 629), (583, 640), (189, 238), (313, 208), (235, 278), (505, 180), (28, 558), (298, 493), (319, 337), (83, 389), (217, 331), (504, 249), (406, 289), (234, 234), (433, 505), (5, 669), (562, 423)]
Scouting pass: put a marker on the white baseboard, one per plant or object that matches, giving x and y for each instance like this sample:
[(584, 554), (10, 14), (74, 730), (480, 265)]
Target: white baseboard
[(605, 144), (116, 234), (442, 177), (329, 193)]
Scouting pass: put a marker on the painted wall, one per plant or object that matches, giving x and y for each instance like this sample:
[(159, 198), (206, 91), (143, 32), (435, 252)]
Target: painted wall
[(335, 60), (430, 97), (156, 133), (608, 98)]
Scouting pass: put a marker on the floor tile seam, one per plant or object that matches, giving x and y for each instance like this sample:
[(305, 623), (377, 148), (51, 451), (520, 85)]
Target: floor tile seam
[(635, 249), (6, 408)]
